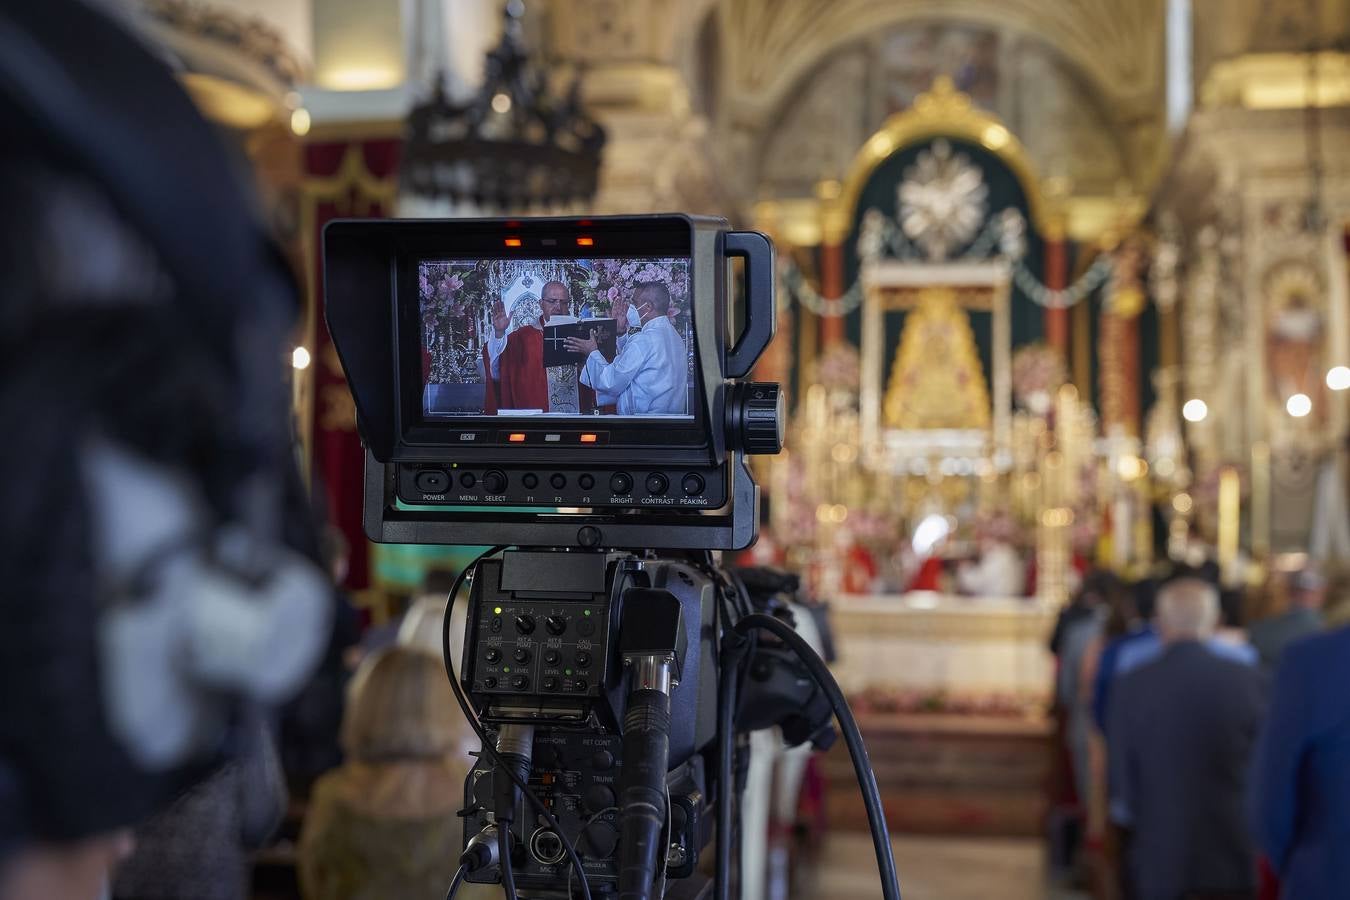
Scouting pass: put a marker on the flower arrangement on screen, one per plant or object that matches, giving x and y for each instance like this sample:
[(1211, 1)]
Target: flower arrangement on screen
[(614, 279)]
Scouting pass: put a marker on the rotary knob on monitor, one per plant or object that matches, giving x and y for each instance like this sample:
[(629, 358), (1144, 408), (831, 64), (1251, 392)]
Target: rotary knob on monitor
[(755, 417)]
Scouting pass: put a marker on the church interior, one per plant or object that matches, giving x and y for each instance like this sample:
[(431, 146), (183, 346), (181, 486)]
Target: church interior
[(1063, 311)]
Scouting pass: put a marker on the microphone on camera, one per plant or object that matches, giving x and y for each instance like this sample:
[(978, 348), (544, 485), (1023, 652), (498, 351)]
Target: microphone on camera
[(652, 643)]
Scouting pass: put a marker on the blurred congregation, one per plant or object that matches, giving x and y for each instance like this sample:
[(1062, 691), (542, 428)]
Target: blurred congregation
[(1063, 328)]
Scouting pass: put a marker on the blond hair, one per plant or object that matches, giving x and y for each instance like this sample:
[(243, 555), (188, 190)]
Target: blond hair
[(399, 706)]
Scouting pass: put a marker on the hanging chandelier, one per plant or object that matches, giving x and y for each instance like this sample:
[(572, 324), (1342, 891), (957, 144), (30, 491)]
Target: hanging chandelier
[(515, 148)]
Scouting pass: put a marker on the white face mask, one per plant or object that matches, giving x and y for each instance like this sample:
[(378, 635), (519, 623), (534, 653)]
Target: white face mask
[(634, 320)]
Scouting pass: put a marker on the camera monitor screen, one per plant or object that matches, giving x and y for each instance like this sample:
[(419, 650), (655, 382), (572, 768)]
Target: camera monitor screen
[(557, 338)]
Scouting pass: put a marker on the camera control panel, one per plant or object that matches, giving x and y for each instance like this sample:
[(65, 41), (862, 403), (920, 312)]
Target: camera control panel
[(553, 486)]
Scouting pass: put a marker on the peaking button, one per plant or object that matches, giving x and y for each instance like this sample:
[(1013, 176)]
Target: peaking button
[(693, 484)]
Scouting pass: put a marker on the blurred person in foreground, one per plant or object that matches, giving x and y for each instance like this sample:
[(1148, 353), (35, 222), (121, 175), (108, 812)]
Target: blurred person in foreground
[(1181, 733), (1301, 791), (160, 563), (385, 823), (1305, 592), (200, 847)]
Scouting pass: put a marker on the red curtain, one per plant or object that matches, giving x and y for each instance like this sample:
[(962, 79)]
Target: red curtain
[(350, 178)]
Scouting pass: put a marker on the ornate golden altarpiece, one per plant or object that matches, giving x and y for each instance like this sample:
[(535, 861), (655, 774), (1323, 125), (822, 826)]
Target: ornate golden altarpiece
[(933, 398)]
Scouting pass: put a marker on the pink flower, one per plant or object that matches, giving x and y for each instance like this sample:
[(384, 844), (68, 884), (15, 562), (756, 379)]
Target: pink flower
[(613, 293)]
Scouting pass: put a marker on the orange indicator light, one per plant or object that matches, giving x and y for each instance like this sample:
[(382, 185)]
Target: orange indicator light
[(585, 242), (517, 437), (588, 439), (513, 242)]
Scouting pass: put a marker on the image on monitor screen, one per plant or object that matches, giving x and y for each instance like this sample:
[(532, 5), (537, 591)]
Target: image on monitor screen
[(556, 338)]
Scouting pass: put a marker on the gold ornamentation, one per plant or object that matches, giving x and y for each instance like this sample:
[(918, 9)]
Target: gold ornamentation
[(942, 112), (937, 380), (249, 36)]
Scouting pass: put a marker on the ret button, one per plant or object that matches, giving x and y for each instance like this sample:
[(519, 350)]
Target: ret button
[(525, 624), (556, 624)]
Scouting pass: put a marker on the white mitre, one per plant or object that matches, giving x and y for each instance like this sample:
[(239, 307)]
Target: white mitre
[(526, 287)]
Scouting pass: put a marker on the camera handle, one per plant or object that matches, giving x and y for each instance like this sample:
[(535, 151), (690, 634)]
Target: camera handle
[(760, 319)]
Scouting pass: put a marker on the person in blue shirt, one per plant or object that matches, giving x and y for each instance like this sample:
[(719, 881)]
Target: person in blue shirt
[(1301, 780)]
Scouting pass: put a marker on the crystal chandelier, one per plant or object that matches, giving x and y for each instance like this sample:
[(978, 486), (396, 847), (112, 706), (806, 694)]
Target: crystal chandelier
[(515, 148)]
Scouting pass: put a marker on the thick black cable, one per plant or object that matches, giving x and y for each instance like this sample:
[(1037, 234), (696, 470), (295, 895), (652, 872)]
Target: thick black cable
[(862, 767), (732, 652), (457, 881), (504, 859), (486, 745)]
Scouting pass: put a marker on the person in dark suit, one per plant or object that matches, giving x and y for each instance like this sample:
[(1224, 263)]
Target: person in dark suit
[(1301, 785), (1179, 742)]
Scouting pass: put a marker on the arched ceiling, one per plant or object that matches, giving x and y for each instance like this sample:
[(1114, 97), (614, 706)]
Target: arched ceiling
[(771, 48)]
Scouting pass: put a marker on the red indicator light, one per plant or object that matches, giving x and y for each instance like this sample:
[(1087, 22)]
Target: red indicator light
[(513, 242), (585, 242), (516, 437), (588, 439)]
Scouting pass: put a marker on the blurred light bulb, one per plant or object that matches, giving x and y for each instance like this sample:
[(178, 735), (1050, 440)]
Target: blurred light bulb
[(1338, 378), (501, 103), (300, 121), (300, 358), (1195, 410), (1298, 405)]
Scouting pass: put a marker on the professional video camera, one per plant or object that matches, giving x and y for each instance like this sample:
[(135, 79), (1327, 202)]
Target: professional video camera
[(570, 386)]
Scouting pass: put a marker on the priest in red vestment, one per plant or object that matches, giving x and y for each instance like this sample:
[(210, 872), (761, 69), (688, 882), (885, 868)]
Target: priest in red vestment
[(517, 359)]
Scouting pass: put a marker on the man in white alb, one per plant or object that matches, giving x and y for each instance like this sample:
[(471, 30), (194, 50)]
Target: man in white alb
[(649, 374)]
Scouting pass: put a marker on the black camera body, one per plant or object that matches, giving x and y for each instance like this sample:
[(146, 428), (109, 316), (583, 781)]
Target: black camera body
[(543, 647), (571, 385), (444, 468)]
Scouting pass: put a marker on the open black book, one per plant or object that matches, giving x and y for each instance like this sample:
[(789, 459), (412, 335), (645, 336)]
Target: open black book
[(555, 336)]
